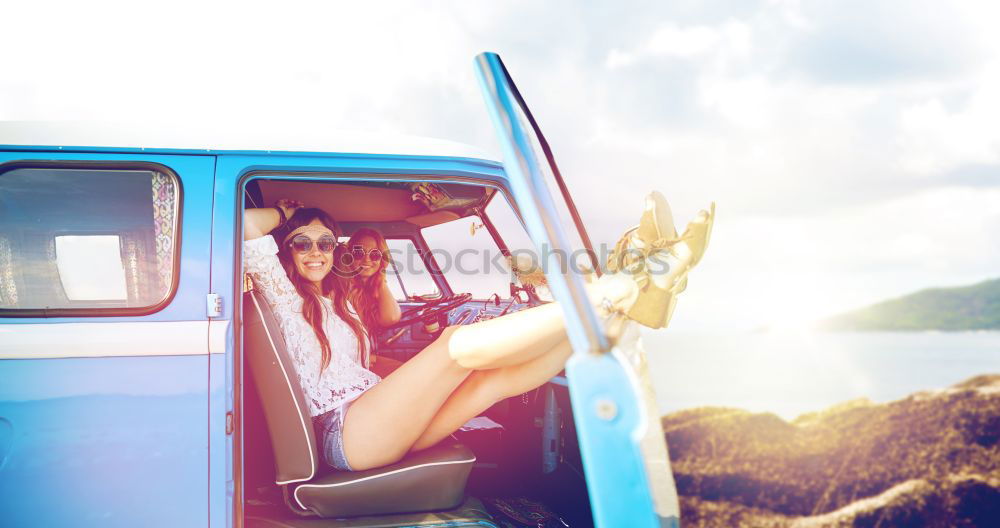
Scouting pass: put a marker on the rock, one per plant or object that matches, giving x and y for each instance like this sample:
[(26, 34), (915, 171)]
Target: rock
[(931, 459)]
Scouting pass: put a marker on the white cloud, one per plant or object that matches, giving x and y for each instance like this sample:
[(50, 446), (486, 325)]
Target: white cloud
[(685, 43), (617, 59), (732, 38), (831, 163), (934, 138)]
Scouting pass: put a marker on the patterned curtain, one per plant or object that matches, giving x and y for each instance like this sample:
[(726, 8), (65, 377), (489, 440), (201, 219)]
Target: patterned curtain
[(164, 200), (137, 268), (8, 290)]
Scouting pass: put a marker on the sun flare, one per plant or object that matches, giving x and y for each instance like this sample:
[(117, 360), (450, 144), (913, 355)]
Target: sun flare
[(791, 314)]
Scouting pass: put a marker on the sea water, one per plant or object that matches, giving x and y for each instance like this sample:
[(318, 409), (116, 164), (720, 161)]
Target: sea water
[(793, 372)]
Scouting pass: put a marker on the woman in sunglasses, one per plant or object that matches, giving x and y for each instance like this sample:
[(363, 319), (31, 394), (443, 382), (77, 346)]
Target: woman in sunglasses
[(363, 262), (365, 421)]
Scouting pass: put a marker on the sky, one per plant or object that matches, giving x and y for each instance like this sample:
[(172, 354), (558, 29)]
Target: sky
[(852, 148)]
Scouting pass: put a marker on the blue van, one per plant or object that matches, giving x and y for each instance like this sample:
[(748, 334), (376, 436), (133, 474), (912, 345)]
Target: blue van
[(138, 386)]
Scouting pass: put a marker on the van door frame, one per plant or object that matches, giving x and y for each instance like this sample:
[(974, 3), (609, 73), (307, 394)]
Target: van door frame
[(233, 171), (609, 396)]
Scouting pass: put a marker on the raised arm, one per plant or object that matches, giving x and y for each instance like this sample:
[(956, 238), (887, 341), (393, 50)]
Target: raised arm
[(261, 221), (388, 309), (260, 256)]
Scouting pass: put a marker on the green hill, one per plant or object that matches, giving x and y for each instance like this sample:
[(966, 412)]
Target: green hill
[(975, 307)]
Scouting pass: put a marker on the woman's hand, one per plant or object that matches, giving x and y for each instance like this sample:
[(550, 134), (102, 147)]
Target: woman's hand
[(289, 206), (379, 281)]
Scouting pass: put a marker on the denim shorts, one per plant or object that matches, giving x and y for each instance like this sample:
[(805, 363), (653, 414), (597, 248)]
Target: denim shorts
[(329, 428)]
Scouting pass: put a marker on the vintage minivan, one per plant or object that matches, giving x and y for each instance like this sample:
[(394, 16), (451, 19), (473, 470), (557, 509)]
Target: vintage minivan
[(143, 382)]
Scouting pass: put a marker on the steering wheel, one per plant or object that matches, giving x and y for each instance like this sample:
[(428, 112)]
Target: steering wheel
[(431, 310)]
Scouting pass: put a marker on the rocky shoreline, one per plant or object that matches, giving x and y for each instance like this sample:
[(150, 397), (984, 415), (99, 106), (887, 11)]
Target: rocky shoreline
[(931, 459)]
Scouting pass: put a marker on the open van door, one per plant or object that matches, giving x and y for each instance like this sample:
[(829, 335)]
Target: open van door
[(620, 437)]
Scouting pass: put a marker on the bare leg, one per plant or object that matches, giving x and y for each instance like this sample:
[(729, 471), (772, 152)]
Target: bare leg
[(382, 424), (509, 340), (483, 388), (522, 336), (385, 366), (385, 422)]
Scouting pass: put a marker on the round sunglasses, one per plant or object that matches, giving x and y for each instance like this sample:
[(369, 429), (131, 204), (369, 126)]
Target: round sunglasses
[(302, 244), (358, 252)]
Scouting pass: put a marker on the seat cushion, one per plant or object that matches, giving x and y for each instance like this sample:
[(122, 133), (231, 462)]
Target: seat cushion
[(432, 479), (470, 513)]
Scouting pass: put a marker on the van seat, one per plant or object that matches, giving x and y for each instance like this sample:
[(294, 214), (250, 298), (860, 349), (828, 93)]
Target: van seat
[(428, 480)]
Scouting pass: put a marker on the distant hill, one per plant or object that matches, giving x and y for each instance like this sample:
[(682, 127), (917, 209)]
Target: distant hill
[(975, 307), (930, 460)]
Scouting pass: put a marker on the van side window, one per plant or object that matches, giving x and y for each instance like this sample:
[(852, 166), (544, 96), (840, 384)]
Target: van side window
[(101, 241)]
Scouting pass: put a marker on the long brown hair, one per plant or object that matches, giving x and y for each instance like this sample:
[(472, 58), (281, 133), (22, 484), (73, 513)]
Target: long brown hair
[(333, 287), (363, 291)]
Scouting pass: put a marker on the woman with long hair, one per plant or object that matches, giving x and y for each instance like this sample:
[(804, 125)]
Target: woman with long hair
[(366, 421), (367, 254), (363, 263)]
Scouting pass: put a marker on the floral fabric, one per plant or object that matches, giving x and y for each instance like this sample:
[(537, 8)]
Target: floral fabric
[(8, 290), (164, 198), (344, 378)]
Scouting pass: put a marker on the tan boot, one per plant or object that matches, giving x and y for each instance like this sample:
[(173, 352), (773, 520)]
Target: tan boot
[(658, 260)]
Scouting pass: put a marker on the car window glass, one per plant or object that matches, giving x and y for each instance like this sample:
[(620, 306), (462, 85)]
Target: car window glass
[(577, 257), (469, 258), (86, 238), (515, 237), (90, 267), (406, 261)]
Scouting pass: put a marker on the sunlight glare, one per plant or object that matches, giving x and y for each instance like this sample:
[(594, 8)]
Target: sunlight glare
[(791, 312)]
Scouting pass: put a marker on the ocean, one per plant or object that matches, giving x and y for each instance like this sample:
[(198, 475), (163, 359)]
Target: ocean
[(793, 372)]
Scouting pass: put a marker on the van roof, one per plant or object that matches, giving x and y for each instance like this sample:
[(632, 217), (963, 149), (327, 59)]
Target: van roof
[(220, 138)]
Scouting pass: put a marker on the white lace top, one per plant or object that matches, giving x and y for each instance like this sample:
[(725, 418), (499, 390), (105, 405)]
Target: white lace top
[(344, 379)]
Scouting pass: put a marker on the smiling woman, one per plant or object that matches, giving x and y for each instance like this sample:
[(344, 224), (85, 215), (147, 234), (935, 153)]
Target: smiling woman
[(312, 250), (369, 291)]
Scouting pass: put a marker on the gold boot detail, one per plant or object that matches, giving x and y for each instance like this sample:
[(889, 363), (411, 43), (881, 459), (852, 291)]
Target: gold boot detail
[(658, 260)]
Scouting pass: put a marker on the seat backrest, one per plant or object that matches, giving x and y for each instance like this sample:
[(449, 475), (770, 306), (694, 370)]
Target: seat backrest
[(285, 411)]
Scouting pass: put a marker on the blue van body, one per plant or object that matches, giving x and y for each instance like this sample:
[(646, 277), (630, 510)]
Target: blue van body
[(127, 420)]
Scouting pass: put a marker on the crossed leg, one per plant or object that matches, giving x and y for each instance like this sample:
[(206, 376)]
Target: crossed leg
[(432, 395), (483, 388)]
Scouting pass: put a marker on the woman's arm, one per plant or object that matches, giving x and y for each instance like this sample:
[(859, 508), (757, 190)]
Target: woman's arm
[(260, 257), (388, 309), (261, 221)]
